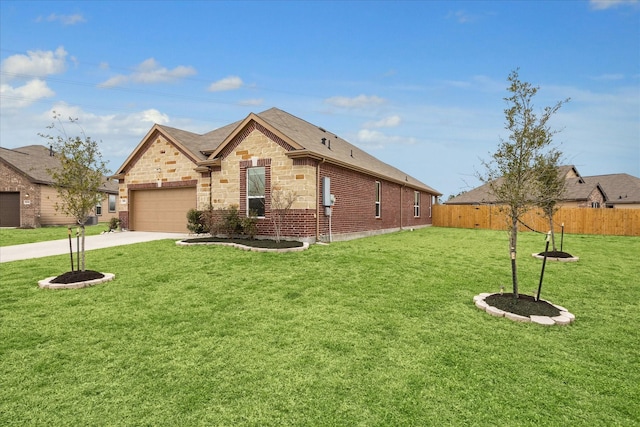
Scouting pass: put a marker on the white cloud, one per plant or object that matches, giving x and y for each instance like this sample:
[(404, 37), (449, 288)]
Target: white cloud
[(608, 77), (36, 63), (374, 139), (117, 134), (251, 102), (228, 83), (360, 101), (23, 96), (462, 16), (387, 122), (609, 4), (63, 19), (149, 72)]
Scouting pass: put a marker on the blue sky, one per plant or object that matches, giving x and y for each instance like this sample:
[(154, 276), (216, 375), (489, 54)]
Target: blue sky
[(420, 85)]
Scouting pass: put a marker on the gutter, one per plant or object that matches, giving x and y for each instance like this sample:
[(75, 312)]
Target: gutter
[(309, 154)]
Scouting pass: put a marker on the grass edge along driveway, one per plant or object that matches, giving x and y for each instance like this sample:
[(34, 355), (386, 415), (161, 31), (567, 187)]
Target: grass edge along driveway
[(375, 331)]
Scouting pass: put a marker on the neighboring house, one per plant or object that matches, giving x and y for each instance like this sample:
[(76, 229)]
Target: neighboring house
[(579, 192), (622, 190), (172, 171), (27, 195)]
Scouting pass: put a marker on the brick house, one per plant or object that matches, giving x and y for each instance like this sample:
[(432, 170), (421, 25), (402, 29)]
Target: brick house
[(27, 196), (172, 171)]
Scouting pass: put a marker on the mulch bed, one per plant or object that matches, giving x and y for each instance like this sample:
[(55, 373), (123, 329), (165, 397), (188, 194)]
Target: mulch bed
[(77, 276), (525, 305), (254, 243), (556, 254)]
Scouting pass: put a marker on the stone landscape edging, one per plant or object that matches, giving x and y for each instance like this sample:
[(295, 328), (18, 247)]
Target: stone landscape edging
[(565, 318), (305, 245), (46, 283)]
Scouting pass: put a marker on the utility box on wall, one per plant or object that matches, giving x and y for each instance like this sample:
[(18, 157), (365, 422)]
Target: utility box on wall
[(326, 191)]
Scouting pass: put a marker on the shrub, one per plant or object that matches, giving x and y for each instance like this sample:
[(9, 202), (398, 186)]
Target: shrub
[(232, 224), (250, 224), (194, 222), (114, 223)]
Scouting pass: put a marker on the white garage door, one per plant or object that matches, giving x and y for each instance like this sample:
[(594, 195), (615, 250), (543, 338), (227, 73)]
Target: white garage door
[(162, 209)]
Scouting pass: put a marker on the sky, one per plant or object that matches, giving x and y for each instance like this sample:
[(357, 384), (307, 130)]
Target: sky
[(418, 84)]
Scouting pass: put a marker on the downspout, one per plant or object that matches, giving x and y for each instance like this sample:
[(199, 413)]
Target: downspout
[(318, 200), (210, 189), (401, 204)]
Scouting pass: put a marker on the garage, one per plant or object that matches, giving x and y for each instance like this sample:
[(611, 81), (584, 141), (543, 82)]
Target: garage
[(162, 209), (9, 209)]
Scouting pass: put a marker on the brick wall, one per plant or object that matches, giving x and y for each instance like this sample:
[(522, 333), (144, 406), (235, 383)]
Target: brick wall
[(354, 210), (12, 181)]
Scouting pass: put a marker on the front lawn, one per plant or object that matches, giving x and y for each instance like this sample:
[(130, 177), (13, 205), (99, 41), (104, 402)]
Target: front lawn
[(19, 236), (376, 331)]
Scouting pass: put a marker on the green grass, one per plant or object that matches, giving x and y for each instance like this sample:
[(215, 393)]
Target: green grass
[(376, 331), (18, 236)]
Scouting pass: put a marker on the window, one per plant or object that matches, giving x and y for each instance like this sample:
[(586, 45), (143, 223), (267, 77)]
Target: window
[(99, 208), (378, 188), (112, 202), (255, 190), (595, 204), (416, 204)]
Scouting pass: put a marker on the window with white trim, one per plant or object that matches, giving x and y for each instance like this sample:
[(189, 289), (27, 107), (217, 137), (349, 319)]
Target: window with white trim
[(256, 191), (378, 198), (416, 204)]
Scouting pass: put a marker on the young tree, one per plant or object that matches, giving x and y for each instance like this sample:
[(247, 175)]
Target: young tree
[(80, 175), (551, 187), (511, 173), (281, 202)]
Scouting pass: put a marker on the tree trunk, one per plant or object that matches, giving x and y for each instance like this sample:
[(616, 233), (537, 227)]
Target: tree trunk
[(553, 235), (513, 242), (82, 247)]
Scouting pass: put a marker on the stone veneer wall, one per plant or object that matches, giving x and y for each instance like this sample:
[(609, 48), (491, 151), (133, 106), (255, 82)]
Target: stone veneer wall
[(161, 165), (256, 148)]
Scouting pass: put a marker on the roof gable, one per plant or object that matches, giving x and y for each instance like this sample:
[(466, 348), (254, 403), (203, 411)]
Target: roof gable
[(246, 126), (619, 187), (186, 142), (35, 162)]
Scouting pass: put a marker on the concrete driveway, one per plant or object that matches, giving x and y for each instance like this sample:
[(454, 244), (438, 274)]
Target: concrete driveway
[(60, 247)]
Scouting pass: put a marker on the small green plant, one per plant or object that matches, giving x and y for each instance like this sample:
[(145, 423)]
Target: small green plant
[(250, 224), (114, 223), (232, 223), (194, 222)]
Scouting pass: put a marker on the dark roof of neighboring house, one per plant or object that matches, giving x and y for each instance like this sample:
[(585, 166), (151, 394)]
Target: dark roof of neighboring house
[(576, 189), (305, 137), (620, 188), (35, 160)]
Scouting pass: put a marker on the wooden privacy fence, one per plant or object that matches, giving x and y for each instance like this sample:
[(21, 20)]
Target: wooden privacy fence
[(615, 222)]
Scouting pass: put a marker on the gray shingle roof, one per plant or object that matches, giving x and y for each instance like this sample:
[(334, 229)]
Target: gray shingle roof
[(306, 135), (617, 188), (34, 161), (620, 188)]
